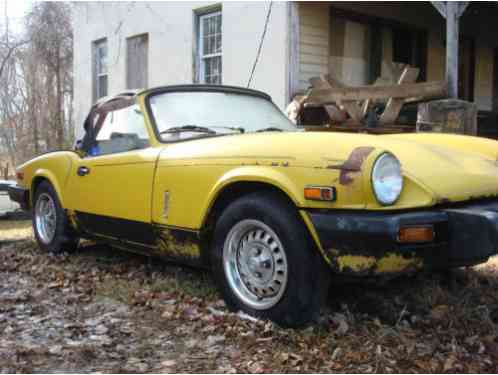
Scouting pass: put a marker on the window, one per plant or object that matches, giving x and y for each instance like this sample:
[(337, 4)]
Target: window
[(100, 69), (210, 48), (137, 49), (121, 130), (365, 49)]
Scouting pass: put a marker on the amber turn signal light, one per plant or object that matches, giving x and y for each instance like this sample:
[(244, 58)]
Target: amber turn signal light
[(20, 176), (319, 193), (411, 234)]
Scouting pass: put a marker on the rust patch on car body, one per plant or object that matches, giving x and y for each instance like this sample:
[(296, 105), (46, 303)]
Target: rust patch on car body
[(352, 165), (177, 243), (385, 264)]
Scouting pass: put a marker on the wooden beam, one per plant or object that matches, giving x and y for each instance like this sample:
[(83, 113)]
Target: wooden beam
[(440, 7), (351, 107), (452, 34), (325, 82), (393, 106), (426, 90)]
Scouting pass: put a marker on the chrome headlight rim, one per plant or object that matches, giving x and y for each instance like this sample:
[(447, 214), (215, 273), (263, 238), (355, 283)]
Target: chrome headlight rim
[(375, 166)]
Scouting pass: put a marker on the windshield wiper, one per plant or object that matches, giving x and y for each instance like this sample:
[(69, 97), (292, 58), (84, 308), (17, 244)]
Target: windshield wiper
[(270, 129), (188, 128), (234, 128)]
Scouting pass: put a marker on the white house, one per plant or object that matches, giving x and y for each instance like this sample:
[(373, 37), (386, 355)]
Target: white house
[(120, 45), (141, 44)]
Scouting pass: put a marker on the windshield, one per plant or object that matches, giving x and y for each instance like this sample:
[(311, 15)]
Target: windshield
[(181, 115)]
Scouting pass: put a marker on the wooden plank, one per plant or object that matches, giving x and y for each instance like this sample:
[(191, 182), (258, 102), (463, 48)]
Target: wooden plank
[(334, 82), (318, 41), (313, 30), (308, 58), (312, 50), (428, 90), (326, 82), (364, 108), (354, 111), (319, 83), (393, 106), (313, 68)]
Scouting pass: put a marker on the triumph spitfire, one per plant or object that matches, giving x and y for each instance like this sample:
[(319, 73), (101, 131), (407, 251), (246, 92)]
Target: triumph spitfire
[(218, 177)]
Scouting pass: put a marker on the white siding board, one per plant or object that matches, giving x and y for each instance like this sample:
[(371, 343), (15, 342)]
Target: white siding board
[(310, 49), (313, 59), (313, 41)]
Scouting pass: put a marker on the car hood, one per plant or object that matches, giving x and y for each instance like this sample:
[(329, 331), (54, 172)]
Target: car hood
[(451, 167)]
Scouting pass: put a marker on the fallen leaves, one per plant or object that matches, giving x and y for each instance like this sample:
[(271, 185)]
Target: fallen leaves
[(340, 321), (439, 312), (104, 311)]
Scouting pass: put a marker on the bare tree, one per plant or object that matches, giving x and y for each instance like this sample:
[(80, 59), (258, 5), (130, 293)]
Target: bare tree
[(36, 84), (50, 32)]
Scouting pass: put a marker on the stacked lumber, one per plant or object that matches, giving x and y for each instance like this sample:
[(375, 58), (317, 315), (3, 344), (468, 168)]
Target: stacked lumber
[(353, 107)]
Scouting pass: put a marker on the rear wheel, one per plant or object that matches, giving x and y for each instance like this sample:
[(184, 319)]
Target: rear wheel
[(264, 262), (50, 222)]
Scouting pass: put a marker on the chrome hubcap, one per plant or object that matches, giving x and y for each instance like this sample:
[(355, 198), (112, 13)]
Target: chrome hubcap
[(255, 264), (45, 218)]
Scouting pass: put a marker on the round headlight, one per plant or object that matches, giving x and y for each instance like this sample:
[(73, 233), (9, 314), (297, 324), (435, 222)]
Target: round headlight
[(387, 180)]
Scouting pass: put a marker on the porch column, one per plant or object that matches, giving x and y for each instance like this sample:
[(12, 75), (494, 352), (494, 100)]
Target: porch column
[(452, 11)]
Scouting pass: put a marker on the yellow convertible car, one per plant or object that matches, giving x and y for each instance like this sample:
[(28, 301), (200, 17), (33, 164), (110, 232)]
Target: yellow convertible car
[(217, 176)]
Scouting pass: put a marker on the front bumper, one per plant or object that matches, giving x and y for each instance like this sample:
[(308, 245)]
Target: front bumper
[(20, 195), (366, 243)]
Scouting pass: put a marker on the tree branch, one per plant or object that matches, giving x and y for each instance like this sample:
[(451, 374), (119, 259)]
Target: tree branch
[(9, 54)]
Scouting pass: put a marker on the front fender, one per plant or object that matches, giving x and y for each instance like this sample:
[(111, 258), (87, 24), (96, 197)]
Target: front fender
[(54, 167), (51, 177), (261, 174)]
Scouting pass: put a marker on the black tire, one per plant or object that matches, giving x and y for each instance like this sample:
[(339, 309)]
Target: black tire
[(64, 239), (306, 286)]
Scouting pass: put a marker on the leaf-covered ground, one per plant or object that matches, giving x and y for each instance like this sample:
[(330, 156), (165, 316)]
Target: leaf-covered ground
[(101, 310)]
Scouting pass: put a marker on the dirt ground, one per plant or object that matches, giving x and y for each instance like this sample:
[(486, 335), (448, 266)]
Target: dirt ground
[(102, 310)]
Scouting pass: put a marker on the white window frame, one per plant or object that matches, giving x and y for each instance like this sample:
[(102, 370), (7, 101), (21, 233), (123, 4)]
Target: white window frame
[(98, 44), (201, 56)]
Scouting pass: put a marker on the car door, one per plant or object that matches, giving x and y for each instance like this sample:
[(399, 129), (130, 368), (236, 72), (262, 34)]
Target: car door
[(110, 189)]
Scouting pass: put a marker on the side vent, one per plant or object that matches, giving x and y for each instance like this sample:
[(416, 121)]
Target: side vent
[(166, 204)]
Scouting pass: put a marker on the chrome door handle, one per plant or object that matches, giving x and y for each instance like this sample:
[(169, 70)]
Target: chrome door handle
[(83, 171)]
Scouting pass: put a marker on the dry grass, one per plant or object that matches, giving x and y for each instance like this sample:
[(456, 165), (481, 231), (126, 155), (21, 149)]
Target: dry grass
[(15, 230), (119, 289), (431, 322)]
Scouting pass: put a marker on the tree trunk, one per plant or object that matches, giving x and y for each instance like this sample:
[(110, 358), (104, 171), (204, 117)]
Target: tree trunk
[(58, 120)]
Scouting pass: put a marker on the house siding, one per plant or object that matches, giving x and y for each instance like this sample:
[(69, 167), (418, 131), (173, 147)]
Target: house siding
[(314, 27), (335, 45), (171, 44)]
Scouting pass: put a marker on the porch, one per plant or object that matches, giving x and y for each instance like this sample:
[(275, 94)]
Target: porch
[(362, 43)]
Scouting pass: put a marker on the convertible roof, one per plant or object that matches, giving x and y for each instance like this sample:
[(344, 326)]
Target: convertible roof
[(202, 87), (129, 94)]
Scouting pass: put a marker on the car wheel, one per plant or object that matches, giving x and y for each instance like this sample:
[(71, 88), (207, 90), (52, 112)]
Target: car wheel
[(264, 262), (50, 222)]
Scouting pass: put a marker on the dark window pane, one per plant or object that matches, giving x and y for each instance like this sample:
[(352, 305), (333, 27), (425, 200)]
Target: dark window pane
[(102, 86)]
